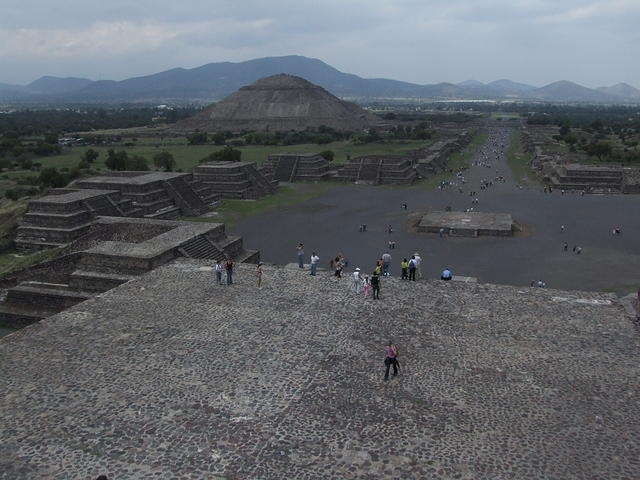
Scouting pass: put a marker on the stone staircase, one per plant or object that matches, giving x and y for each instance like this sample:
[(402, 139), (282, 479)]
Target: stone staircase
[(113, 263), (202, 247)]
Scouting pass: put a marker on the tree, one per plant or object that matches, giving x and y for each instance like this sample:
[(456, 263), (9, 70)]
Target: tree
[(227, 154), (50, 177), (598, 149), (165, 161), (219, 138), (90, 155), (197, 138), (328, 155), (116, 161), (136, 163), (565, 129)]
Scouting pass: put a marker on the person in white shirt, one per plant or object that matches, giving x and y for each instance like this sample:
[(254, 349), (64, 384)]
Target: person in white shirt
[(314, 262), (418, 259), (357, 281)]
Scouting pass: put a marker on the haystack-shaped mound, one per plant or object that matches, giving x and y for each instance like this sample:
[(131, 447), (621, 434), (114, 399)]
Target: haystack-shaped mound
[(279, 103)]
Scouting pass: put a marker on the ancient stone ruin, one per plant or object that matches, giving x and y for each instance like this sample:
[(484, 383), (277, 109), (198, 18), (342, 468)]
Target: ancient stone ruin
[(114, 251), (378, 170), (279, 103), (241, 180), (298, 167), (468, 224)]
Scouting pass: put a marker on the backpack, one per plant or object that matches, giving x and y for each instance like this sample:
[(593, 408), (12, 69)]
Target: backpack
[(412, 263)]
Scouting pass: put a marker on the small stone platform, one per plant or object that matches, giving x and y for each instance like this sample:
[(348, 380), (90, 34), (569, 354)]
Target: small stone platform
[(468, 224)]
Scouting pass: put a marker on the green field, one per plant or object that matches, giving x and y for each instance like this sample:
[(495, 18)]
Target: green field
[(188, 156), (518, 160), (504, 115), (232, 210)]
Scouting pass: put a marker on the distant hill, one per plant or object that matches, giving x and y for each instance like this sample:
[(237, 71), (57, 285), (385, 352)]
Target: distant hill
[(508, 87), (215, 81), (471, 84), (621, 90), (568, 91), (55, 85)]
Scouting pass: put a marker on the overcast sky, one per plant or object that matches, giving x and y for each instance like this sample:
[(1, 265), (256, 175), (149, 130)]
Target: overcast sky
[(591, 42)]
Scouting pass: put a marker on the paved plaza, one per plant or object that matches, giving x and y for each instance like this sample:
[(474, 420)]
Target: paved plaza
[(171, 376), (329, 225)]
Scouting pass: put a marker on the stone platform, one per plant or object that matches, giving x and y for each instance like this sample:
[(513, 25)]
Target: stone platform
[(468, 224), (172, 376)]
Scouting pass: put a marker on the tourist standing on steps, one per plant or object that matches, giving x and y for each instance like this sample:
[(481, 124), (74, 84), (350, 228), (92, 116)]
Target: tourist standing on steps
[(229, 268), (357, 281), (366, 287), (404, 266), (337, 264), (412, 268), (314, 263), (259, 274), (375, 285), (386, 262), (391, 358), (300, 250), (218, 272), (418, 260)]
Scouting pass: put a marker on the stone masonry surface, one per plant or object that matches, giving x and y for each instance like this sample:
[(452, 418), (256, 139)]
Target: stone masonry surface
[(171, 376)]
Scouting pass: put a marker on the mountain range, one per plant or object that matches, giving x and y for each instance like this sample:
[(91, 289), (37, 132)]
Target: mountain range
[(215, 81)]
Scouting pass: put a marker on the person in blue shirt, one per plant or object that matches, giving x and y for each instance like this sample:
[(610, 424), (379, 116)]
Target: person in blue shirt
[(446, 274)]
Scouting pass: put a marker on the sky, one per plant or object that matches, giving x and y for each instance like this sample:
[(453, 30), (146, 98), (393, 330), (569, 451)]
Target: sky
[(592, 42)]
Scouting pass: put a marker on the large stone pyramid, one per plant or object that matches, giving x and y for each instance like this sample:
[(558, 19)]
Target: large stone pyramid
[(279, 103)]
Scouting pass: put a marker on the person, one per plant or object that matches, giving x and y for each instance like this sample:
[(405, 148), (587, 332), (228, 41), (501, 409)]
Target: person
[(375, 285), (404, 265), (389, 244), (446, 275), (229, 268), (259, 274), (412, 268), (314, 262), (366, 287), (364, 227), (561, 228), (441, 232), (386, 261), (578, 250), (337, 264), (393, 244), (300, 249), (391, 358), (565, 246), (418, 260), (357, 281), (218, 272)]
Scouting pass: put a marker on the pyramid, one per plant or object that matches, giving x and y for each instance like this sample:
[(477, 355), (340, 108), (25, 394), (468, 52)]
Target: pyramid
[(279, 103)]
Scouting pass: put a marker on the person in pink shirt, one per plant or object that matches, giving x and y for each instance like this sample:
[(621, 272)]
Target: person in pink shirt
[(391, 359)]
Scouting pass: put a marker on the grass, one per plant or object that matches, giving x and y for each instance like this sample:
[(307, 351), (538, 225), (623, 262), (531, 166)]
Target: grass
[(518, 160), (504, 115), (188, 156), (232, 210), (10, 212), (12, 261)]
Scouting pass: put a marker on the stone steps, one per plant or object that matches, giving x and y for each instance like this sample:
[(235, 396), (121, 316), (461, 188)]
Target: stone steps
[(97, 281), (53, 296), (201, 247), (19, 315)]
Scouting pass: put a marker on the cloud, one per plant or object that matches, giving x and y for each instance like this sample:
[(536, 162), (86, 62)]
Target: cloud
[(415, 40)]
